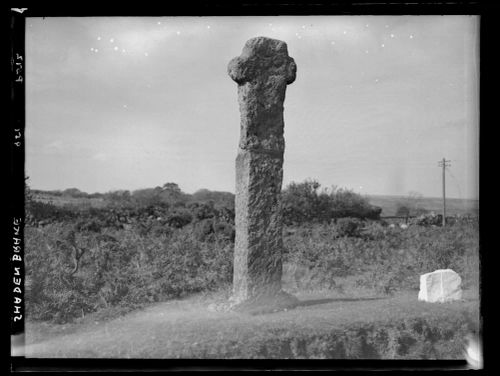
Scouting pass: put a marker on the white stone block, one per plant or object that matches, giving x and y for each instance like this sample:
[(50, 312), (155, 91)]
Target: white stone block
[(440, 286)]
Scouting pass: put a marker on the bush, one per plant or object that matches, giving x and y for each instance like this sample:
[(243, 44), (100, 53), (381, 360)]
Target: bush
[(348, 227), (303, 202), (386, 260), (216, 198), (37, 212), (318, 256), (146, 197), (179, 218), (117, 268), (420, 250)]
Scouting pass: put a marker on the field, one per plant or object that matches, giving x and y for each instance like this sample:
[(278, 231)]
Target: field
[(68, 200), (454, 206), (100, 280)]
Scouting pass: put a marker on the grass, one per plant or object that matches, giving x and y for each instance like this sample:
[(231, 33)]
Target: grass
[(326, 325), (68, 200)]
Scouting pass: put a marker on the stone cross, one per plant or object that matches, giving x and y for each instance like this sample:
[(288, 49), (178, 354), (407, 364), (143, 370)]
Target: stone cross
[(262, 73)]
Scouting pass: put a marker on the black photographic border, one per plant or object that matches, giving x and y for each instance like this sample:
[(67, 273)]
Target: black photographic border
[(16, 173)]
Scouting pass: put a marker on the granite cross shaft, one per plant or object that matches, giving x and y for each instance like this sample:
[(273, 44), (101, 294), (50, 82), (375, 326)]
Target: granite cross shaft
[(262, 73)]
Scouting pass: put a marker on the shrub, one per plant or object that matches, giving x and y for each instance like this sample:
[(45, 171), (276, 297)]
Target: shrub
[(318, 256), (303, 202), (386, 260), (179, 218), (219, 199), (117, 268), (348, 227), (420, 250)]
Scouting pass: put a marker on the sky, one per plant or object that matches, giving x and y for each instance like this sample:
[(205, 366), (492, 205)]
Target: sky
[(134, 102)]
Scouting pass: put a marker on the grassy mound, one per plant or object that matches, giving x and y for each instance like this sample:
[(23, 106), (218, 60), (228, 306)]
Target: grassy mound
[(322, 326)]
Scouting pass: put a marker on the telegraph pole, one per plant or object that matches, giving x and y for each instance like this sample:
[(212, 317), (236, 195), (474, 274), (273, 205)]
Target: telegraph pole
[(444, 163)]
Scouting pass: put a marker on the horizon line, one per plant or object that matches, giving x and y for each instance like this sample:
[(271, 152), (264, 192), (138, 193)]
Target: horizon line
[(211, 190)]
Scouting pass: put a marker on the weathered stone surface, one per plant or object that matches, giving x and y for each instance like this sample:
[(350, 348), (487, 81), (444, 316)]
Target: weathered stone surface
[(441, 286), (262, 73)]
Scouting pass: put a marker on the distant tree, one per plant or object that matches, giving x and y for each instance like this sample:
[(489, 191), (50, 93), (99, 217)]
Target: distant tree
[(220, 199), (172, 188), (171, 194), (202, 194), (56, 192), (299, 201), (74, 192), (304, 202), (346, 203), (146, 197)]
